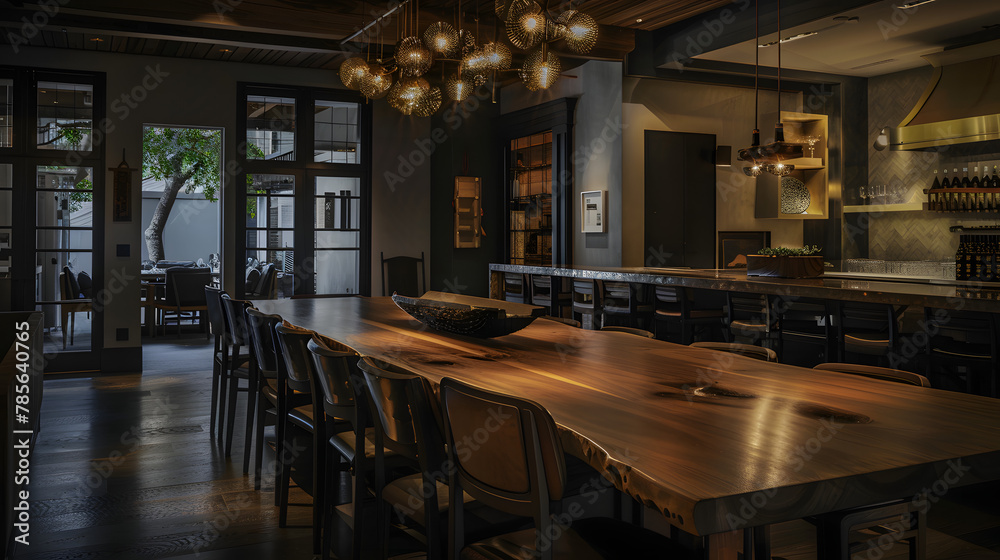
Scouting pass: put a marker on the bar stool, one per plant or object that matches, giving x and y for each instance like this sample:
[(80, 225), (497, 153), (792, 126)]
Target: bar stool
[(235, 312), (263, 386), (867, 331), (547, 291), (626, 304), (751, 317), (587, 303), (220, 354), (804, 336), (962, 349), (674, 306), (514, 289)]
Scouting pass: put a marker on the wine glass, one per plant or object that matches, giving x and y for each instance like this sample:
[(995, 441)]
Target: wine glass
[(811, 140)]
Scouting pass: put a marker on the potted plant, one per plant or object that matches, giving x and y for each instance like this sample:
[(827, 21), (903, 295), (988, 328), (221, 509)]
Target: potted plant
[(786, 262)]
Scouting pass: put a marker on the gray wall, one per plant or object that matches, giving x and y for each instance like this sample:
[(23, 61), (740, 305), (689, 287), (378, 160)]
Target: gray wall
[(203, 93)]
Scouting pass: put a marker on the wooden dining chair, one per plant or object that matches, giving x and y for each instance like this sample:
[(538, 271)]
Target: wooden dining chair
[(262, 398), (901, 520), (235, 312), (875, 372), (184, 295), (867, 331), (296, 379), (348, 428), (519, 469), (674, 306), (751, 318), (586, 303), (220, 354), (408, 424), (963, 350), (73, 302), (549, 292), (399, 274), (627, 304), (747, 350), (515, 288)]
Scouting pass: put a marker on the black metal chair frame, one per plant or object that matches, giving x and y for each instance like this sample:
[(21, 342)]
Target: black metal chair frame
[(402, 261)]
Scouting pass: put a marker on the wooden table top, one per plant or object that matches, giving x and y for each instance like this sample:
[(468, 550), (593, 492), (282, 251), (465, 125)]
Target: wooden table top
[(714, 442)]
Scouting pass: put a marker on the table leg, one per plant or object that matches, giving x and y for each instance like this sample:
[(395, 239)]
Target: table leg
[(724, 546)]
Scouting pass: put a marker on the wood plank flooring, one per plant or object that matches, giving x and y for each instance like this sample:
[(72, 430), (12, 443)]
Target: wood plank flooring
[(126, 468)]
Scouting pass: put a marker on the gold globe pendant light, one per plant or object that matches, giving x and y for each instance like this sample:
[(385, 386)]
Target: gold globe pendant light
[(441, 38), (376, 82), (496, 56), (578, 29), (526, 25), (458, 88), (415, 96), (412, 57), (503, 7), (541, 69), (352, 71)]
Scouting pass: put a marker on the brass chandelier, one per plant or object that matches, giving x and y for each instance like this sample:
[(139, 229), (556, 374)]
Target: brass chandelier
[(465, 64)]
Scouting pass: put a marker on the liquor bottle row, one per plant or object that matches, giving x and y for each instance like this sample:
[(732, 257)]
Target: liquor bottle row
[(965, 201), (978, 258)]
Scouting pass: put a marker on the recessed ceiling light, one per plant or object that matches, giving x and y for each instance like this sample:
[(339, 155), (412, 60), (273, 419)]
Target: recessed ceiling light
[(791, 38), (912, 4), (96, 39), (225, 50), (638, 20)]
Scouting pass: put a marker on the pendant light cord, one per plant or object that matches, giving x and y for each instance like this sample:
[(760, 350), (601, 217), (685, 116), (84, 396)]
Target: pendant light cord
[(779, 60), (756, 61)]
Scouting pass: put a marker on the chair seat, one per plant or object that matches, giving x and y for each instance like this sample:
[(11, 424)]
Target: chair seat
[(344, 443), (866, 343), (624, 310), (587, 539), (407, 494), (303, 417)]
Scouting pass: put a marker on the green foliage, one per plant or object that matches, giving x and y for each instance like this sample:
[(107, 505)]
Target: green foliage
[(73, 136), (169, 153), (790, 251), (253, 152)]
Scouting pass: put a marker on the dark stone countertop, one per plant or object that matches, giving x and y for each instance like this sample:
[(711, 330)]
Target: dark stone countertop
[(971, 296)]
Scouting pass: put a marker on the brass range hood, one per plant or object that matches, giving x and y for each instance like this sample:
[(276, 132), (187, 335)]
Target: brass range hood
[(961, 103)]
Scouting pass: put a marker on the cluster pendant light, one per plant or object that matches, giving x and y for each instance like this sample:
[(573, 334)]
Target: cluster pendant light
[(405, 78), (769, 157)]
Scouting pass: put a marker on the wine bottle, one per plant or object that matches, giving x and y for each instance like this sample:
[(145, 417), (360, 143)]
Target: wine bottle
[(954, 204), (945, 183), (995, 180), (980, 198), (932, 197)]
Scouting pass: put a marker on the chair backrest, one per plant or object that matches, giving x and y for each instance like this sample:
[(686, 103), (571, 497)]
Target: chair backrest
[(69, 288), (867, 317), (299, 367), (520, 467), (541, 288), (399, 275), (216, 315), (629, 330), (972, 327), (268, 282), (185, 286), (748, 350), (513, 287), (584, 290), (259, 329), (335, 364), (251, 281), (669, 295), (407, 418), (753, 308), (235, 311), (875, 372)]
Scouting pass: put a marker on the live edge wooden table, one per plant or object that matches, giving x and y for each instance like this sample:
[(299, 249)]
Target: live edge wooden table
[(715, 443)]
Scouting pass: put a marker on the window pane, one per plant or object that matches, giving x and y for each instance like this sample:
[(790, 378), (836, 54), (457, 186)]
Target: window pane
[(338, 205), (68, 178), (336, 132), (337, 272), (64, 208), (64, 239), (65, 116), (269, 239), (270, 128), (265, 183), (338, 240), (6, 113)]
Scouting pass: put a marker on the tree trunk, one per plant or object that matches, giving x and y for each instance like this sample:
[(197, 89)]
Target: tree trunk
[(154, 233)]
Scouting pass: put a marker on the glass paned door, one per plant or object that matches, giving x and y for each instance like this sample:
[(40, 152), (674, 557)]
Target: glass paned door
[(64, 256), (6, 233), (337, 235), (270, 226)]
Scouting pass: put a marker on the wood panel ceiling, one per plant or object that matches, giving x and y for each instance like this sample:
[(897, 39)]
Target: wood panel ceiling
[(303, 33)]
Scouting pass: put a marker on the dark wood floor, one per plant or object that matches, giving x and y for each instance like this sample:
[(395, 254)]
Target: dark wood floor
[(126, 468)]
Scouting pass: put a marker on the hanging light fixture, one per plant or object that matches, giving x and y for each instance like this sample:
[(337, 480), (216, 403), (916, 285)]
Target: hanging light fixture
[(352, 71), (770, 156), (441, 38), (496, 56), (526, 25), (541, 69), (578, 30), (376, 81)]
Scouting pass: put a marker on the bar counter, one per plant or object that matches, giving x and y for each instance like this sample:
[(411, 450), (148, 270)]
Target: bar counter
[(972, 296)]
